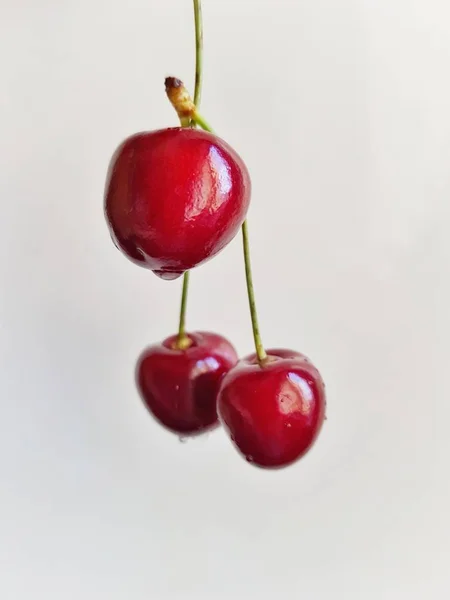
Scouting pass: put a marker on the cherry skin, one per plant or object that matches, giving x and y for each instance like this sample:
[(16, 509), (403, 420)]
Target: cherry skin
[(174, 198), (179, 387), (274, 412)]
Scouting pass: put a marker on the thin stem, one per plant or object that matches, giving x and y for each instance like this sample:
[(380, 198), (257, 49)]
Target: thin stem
[(198, 51), (201, 122), (183, 341), (260, 352)]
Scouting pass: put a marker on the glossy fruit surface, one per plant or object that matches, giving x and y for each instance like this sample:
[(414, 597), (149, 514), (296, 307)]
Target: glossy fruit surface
[(174, 198), (273, 413), (179, 387)]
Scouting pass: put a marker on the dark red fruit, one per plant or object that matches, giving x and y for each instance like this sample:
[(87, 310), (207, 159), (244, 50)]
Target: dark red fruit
[(174, 198), (179, 387), (273, 412)]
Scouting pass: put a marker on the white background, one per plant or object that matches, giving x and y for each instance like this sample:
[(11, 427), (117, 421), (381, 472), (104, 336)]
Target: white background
[(341, 111)]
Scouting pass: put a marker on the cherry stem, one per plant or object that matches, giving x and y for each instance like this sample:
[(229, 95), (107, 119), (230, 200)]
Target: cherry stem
[(198, 51), (260, 352), (201, 121), (182, 340)]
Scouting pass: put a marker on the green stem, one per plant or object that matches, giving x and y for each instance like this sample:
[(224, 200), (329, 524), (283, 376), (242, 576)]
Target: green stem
[(201, 122), (198, 51), (183, 340), (260, 352)]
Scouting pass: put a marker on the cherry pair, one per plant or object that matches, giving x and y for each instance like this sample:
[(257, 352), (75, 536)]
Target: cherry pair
[(273, 411)]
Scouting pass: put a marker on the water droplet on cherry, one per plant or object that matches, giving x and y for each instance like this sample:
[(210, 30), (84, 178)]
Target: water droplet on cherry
[(168, 275)]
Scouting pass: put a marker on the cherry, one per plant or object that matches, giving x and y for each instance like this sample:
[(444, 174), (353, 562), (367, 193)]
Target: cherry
[(174, 198), (180, 386), (274, 411)]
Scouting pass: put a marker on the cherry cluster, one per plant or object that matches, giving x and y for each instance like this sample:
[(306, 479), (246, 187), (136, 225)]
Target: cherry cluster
[(175, 198)]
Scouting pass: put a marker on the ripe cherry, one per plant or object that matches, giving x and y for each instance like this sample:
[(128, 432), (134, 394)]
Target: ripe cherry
[(274, 411), (174, 198), (179, 387)]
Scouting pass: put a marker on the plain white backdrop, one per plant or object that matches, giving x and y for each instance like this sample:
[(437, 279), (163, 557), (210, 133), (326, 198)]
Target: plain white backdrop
[(341, 111)]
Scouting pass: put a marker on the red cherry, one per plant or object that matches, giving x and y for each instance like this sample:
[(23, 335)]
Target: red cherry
[(179, 387), (273, 412), (174, 198)]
